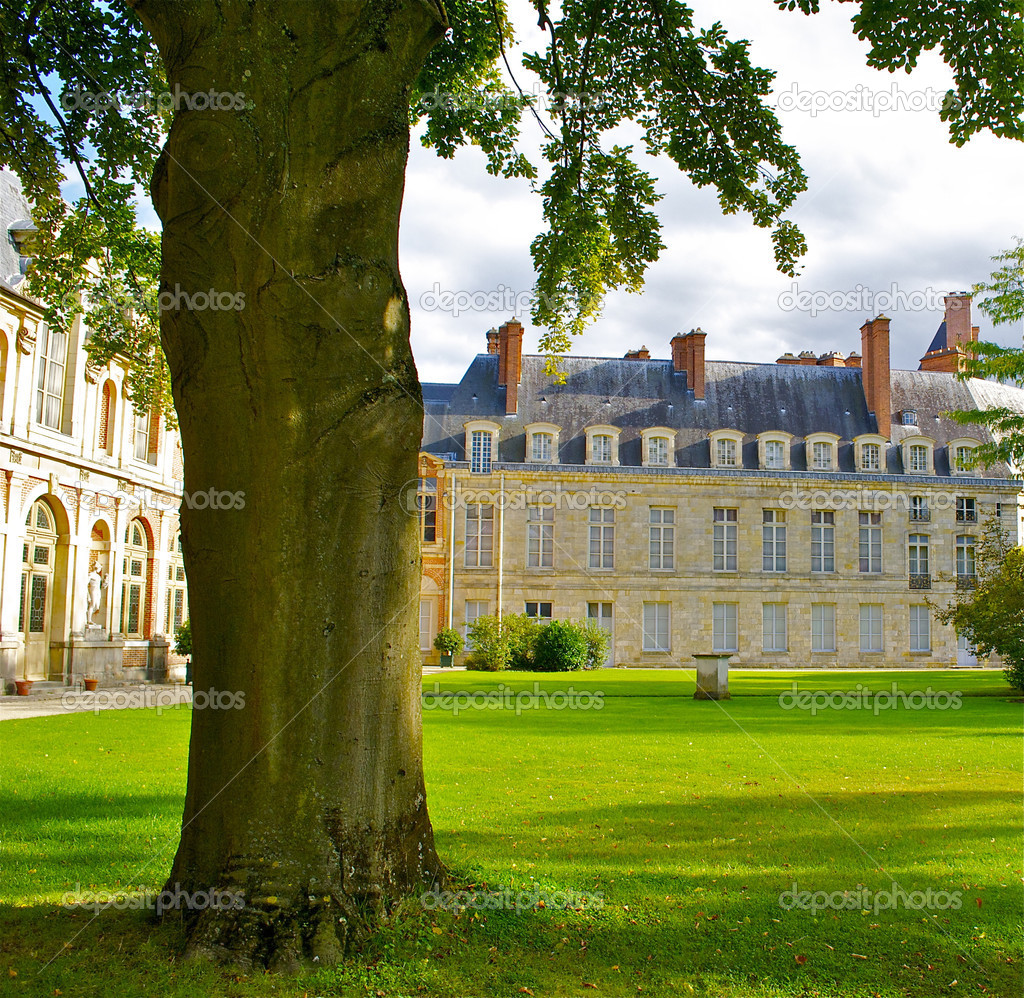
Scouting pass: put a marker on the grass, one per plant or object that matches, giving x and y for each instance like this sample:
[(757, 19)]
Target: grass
[(689, 819)]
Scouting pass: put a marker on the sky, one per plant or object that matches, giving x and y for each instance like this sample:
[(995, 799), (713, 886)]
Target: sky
[(895, 217)]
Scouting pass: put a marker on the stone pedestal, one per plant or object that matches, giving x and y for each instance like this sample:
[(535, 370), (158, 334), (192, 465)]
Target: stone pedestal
[(712, 677)]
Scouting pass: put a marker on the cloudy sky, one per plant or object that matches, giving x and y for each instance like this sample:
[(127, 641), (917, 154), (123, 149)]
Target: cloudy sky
[(892, 207)]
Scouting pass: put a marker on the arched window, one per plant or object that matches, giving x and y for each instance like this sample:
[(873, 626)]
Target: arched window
[(105, 430), (38, 555), (176, 605), (136, 572)]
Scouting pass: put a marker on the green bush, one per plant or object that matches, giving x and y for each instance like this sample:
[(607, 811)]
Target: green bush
[(598, 641), (489, 647), (183, 639), (521, 633), (561, 646), (448, 641)]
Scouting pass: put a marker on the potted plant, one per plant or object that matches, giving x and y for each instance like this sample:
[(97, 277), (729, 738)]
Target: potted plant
[(23, 686), (91, 682), (449, 643), (183, 646)]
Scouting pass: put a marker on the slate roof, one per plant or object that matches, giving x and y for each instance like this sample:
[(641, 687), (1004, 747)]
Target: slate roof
[(14, 208), (637, 394)]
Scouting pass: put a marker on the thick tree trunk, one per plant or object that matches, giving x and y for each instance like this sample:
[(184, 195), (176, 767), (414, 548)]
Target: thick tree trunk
[(309, 800)]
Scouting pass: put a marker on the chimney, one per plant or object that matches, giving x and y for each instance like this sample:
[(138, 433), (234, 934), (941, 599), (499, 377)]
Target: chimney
[(958, 319), (642, 354), (510, 362), (695, 365), (788, 358), (492, 340), (678, 353), (853, 360), (808, 358), (874, 341), (831, 359)]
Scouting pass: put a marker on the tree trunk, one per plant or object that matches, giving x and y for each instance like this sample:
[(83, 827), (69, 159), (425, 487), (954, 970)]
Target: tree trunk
[(303, 404)]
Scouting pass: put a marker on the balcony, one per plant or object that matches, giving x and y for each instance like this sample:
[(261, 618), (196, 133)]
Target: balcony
[(920, 580), (966, 582), (920, 515)]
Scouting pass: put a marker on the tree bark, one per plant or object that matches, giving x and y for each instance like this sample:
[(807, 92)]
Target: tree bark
[(309, 801)]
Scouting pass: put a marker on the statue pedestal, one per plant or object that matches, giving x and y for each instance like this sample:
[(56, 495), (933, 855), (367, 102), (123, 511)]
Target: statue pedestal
[(94, 632), (712, 677)]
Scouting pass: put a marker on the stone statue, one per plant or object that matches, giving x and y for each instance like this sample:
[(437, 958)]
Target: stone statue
[(97, 583)]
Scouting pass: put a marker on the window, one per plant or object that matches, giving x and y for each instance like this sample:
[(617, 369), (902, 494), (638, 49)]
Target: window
[(919, 511), (965, 562), (918, 459), (920, 629), (909, 417), (474, 608), (724, 626), (426, 624), (602, 537), (657, 452), (725, 451), (823, 541), (602, 445), (917, 559), (542, 447), (966, 509), (870, 457), (479, 535), (426, 505), (823, 627), (540, 536), (600, 615), (538, 610), (105, 429), (38, 557), (774, 454), (602, 449), (963, 459), (773, 627), (662, 538), (822, 456), (50, 384), (871, 627), (656, 627), (480, 452), (141, 436), (724, 540), (175, 587), (870, 542), (133, 591), (773, 540)]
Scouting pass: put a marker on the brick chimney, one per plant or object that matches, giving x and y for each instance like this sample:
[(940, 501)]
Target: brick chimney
[(831, 359), (492, 340), (948, 357), (510, 362), (688, 358), (808, 358), (874, 341), (788, 358), (853, 360), (678, 345), (642, 354)]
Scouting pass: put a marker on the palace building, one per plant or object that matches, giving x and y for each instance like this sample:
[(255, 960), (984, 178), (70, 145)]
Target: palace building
[(795, 514), (89, 484)]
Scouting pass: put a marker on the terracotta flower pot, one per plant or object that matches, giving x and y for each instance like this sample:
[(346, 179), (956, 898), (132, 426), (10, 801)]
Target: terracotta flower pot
[(91, 684), (23, 686)]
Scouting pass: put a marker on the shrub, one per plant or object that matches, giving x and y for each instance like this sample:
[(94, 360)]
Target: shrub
[(598, 641), (521, 633), (561, 646), (183, 639), (448, 641), (488, 646)]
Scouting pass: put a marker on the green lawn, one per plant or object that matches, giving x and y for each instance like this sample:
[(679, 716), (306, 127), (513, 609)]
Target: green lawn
[(685, 820)]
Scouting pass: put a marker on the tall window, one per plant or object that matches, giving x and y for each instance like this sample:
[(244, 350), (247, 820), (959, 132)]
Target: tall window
[(136, 570), (657, 452), (823, 627), (871, 457), (142, 436), (917, 554), (662, 538), (964, 459), (541, 447), (823, 541), (427, 610), (540, 536), (918, 458), (426, 504), (724, 539), (773, 540), (774, 454), (773, 627), (965, 564), (480, 442), (479, 535), (53, 351), (966, 509), (724, 627), (38, 555), (920, 629), (602, 537), (656, 627), (474, 608), (822, 456), (919, 509), (870, 542), (871, 627), (601, 449), (175, 587), (726, 453)]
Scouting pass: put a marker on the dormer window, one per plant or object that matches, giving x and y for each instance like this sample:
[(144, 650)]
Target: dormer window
[(726, 449), (822, 452), (481, 445), (961, 456), (603, 445), (773, 450), (918, 453), (542, 443), (869, 452), (658, 447), (909, 417)]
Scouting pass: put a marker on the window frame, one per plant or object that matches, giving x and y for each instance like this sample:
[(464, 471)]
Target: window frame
[(649, 641)]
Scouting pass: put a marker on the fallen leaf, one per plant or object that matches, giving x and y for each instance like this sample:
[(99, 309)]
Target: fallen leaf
[(800, 958)]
